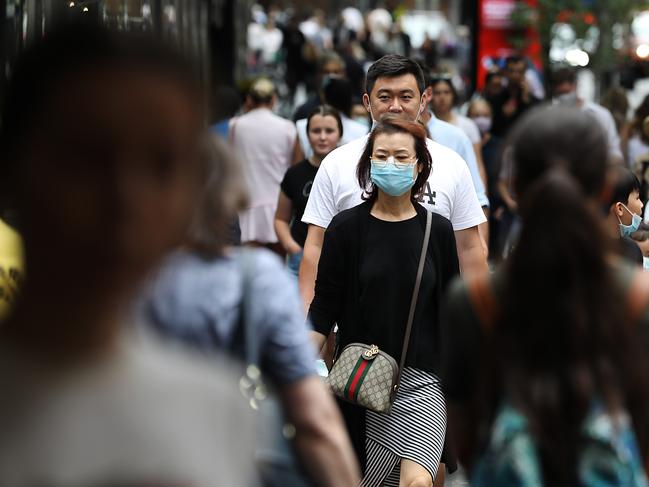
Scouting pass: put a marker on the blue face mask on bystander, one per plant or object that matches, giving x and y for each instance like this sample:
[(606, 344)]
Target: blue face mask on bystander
[(393, 177), (626, 230)]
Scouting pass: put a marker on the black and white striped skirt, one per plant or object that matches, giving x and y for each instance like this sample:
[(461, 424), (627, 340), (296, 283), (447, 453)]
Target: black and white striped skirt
[(414, 430)]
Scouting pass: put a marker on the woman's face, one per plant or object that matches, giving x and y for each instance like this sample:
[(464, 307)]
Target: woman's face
[(109, 185), (324, 134), (400, 145), (442, 97)]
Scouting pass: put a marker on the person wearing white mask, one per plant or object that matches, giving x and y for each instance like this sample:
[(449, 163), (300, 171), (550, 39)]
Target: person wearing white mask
[(624, 212)]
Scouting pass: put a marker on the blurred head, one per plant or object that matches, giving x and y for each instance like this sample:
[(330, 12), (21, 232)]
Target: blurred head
[(101, 139), (262, 93), (399, 142), (394, 84), (515, 67), (444, 95), (330, 64), (480, 112), (324, 129), (338, 92), (564, 82), (493, 83), (222, 196)]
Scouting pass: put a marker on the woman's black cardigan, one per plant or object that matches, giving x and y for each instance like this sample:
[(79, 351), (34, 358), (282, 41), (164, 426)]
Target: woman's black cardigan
[(337, 289)]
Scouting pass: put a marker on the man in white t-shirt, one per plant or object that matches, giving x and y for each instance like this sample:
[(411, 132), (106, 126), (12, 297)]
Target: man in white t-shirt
[(564, 88), (394, 84)]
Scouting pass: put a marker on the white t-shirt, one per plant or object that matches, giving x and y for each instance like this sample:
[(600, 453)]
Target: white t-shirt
[(448, 192), (265, 143), (637, 149), (469, 127)]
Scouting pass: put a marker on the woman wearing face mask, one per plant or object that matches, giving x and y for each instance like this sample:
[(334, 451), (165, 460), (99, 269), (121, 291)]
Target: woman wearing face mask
[(624, 212), (366, 274), (324, 129)]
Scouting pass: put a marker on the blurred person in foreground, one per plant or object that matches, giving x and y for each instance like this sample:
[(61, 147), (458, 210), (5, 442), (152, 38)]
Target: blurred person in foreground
[(104, 183), (325, 129), (564, 91), (546, 372), (394, 85), (265, 142), (197, 297)]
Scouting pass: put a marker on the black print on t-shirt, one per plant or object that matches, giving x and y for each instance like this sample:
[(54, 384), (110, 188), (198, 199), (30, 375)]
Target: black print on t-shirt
[(306, 190), (428, 193)]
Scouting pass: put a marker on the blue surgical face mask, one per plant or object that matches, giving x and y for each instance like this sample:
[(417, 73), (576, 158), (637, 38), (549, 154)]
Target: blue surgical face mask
[(391, 178), (626, 230)]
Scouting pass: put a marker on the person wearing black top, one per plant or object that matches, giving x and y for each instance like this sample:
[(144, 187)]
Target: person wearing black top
[(324, 128), (365, 281)]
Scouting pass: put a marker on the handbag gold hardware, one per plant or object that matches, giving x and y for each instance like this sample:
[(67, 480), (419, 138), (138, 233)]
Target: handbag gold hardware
[(372, 352)]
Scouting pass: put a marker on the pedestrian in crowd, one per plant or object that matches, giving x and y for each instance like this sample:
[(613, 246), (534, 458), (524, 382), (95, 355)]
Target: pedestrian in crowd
[(330, 64), (337, 93), (265, 142), (479, 111), (104, 178), (196, 298), (367, 270), (637, 150), (395, 85), (616, 101), (625, 212), (513, 99), (325, 130), (544, 375), (444, 98), (564, 90)]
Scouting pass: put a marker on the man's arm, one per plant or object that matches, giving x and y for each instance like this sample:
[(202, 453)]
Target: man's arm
[(309, 265), (470, 252), (321, 440)]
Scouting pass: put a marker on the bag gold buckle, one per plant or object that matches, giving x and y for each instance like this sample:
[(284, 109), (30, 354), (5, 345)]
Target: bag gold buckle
[(370, 353)]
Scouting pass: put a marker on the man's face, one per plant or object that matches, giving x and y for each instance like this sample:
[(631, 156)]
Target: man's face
[(398, 95), (515, 73)]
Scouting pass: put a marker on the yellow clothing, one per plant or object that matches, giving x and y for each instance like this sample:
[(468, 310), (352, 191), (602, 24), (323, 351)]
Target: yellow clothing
[(11, 267)]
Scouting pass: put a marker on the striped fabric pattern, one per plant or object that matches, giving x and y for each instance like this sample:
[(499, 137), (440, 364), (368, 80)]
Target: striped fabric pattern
[(414, 430)]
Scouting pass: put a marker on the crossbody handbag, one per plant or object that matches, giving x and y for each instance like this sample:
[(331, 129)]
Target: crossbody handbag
[(367, 376)]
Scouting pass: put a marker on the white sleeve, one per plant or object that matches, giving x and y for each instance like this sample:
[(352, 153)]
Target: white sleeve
[(466, 211), (321, 206), (614, 146)]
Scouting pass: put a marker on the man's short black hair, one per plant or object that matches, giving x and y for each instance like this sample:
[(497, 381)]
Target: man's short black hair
[(392, 65), (427, 72), (564, 75), (491, 75), (626, 183)]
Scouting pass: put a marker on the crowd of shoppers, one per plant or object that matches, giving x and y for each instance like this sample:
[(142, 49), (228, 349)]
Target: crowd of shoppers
[(175, 346)]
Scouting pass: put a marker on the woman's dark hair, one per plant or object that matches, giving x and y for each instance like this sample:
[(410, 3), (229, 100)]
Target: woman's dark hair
[(325, 111), (447, 80), (392, 65), (391, 124), (70, 50), (625, 183), (559, 342), (338, 93)]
